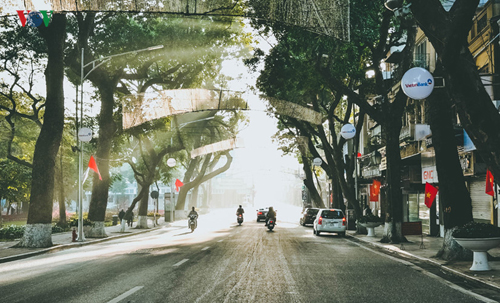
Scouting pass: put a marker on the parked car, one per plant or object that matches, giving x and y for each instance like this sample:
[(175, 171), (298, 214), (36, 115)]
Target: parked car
[(261, 214), (330, 221), (308, 216)]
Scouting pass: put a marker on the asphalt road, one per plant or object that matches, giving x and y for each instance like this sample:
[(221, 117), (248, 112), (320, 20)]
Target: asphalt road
[(223, 262)]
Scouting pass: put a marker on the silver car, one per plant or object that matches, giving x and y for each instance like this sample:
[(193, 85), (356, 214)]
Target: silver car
[(330, 221)]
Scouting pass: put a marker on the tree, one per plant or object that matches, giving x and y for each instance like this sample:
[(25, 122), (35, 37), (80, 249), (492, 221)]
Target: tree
[(170, 68), (343, 73), (151, 151), (447, 31), (38, 232), (201, 168)]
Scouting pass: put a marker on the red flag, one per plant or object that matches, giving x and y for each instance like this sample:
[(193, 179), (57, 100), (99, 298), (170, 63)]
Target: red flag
[(178, 184), (489, 184), (93, 166), (373, 194), (430, 194), (376, 186)]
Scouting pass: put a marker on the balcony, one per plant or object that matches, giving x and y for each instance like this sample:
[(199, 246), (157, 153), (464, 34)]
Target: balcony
[(371, 171), (407, 132), (409, 150)]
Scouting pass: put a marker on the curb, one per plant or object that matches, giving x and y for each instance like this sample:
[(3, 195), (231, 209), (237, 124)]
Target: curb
[(430, 262), (60, 247)]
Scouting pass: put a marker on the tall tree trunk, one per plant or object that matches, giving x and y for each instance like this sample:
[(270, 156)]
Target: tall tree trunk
[(309, 183), (38, 232), (181, 199), (100, 188), (337, 199), (392, 115), (62, 198), (142, 212), (453, 194), (203, 178), (394, 216)]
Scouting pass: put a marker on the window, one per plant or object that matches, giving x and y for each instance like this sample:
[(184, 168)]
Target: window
[(312, 211), (332, 214), (481, 23), (420, 59)]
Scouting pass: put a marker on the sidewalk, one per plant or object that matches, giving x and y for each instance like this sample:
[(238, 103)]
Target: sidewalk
[(425, 249), (64, 240)]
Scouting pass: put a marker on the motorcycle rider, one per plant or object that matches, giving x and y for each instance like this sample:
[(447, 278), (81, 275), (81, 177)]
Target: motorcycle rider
[(194, 213), (240, 211), (271, 214)]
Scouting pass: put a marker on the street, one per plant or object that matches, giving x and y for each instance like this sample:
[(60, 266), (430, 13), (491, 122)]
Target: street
[(223, 262)]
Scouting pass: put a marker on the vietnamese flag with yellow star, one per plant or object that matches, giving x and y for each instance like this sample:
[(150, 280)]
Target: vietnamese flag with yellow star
[(489, 184), (430, 194)]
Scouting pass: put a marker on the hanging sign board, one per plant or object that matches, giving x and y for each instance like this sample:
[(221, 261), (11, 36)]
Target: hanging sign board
[(417, 83), (171, 162), (348, 131), (85, 134)]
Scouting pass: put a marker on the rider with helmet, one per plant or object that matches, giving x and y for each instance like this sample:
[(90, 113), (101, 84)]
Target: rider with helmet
[(271, 214)]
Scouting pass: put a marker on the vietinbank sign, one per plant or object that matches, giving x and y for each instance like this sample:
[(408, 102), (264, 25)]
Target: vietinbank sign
[(34, 18), (417, 83)]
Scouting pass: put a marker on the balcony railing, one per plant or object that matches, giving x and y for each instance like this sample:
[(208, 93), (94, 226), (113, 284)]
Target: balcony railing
[(409, 150), (407, 132)]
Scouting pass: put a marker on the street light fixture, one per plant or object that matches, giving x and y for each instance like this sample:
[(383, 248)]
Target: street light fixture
[(79, 143)]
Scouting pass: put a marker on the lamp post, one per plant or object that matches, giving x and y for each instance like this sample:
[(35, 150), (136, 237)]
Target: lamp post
[(95, 64), (348, 131)]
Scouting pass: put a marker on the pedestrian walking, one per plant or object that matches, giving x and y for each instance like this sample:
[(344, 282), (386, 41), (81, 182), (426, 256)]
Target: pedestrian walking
[(121, 215), (130, 219)]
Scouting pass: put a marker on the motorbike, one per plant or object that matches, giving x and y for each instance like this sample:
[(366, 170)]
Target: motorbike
[(270, 224), (192, 222), (240, 219)]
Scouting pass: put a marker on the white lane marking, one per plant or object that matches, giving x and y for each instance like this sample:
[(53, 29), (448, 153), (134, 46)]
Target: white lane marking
[(220, 240), (181, 262), (126, 294), (205, 248), (421, 270)]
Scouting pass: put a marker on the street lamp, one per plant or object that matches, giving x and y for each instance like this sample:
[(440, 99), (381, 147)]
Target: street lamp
[(79, 143), (171, 162)]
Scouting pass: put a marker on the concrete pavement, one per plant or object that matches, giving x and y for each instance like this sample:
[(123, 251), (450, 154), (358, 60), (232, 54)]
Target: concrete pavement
[(423, 248), (64, 240)]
